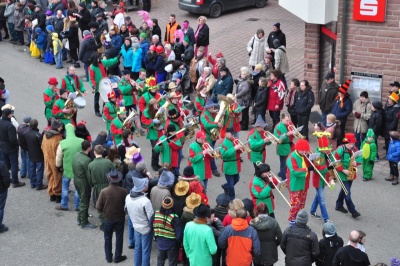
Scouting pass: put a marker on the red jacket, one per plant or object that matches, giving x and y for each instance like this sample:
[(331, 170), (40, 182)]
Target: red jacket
[(276, 95)]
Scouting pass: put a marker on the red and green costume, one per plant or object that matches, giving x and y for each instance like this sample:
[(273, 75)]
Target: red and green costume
[(145, 99), (232, 118), (199, 104), (96, 73), (231, 164), (343, 155), (49, 97), (72, 83), (110, 113), (142, 89), (369, 154), (261, 192), (169, 151), (286, 146), (201, 163), (154, 132), (322, 167), (127, 92), (57, 111), (178, 126), (116, 130), (257, 145), (207, 123)]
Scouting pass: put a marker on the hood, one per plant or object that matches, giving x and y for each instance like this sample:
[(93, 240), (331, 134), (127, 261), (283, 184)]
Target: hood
[(263, 223), (239, 224), (101, 140), (69, 130), (371, 133), (282, 47), (135, 195), (51, 133), (261, 39), (54, 36), (354, 254), (187, 209)]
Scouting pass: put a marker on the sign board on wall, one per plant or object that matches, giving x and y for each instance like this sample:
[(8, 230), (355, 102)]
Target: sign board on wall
[(371, 83), (370, 10)]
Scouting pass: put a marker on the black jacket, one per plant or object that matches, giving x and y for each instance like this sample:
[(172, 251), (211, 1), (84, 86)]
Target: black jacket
[(376, 121), (350, 256), (300, 245), (157, 31), (21, 130), (58, 24), (254, 87), (85, 20), (88, 47), (34, 142), (41, 17), (326, 96), (179, 49), (327, 250), (276, 35), (391, 120), (203, 37), (261, 100), (100, 141), (190, 34), (73, 37), (304, 101), (5, 179), (188, 55), (56, 7), (8, 136)]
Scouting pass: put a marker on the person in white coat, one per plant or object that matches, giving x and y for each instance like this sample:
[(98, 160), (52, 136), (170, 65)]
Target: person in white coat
[(256, 48)]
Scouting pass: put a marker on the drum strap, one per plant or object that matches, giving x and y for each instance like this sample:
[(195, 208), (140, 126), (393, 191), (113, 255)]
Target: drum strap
[(76, 82)]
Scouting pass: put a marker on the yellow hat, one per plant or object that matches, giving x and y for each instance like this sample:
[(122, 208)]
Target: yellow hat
[(394, 96), (131, 151), (193, 200), (181, 188)]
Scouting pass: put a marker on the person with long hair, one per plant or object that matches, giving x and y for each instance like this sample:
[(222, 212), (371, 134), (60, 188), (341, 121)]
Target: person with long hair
[(82, 132)]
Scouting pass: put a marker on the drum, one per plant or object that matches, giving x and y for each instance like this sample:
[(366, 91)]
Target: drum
[(114, 85), (80, 102), (105, 88)]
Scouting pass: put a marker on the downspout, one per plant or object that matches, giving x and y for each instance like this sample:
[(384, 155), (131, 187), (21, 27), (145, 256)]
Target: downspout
[(343, 39)]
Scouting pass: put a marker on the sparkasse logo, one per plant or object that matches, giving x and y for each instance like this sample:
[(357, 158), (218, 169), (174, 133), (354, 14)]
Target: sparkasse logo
[(369, 10)]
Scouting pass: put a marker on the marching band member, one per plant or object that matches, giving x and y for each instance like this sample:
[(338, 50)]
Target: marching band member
[(117, 125), (298, 171), (231, 164), (174, 118), (207, 123), (177, 104), (127, 88), (261, 188), (286, 146), (169, 146), (258, 142), (150, 94), (59, 111), (154, 130), (110, 111), (140, 84), (322, 165), (200, 100), (50, 95), (232, 117), (344, 153), (199, 158)]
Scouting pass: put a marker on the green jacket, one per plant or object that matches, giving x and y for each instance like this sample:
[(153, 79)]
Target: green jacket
[(98, 170), (70, 84), (48, 102), (116, 124), (80, 165), (152, 131), (231, 158), (344, 155), (97, 72), (257, 145), (59, 106), (285, 147), (262, 192), (126, 90), (299, 176), (70, 146), (111, 110), (200, 163), (168, 154), (207, 123)]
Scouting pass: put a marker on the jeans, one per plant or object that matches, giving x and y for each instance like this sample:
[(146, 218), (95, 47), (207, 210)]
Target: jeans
[(212, 160), (13, 33), (172, 256), (282, 167), (320, 200), (109, 227), (36, 171), (204, 183), (86, 67), (64, 194), (58, 57), (24, 170), (11, 160), (131, 231), (347, 199), (275, 117), (141, 255), (154, 155), (359, 139), (96, 102), (231, 181), (3, 199)]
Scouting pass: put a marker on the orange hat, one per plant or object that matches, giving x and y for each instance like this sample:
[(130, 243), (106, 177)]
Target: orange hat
[(345, 86), (111, 95), (201, 135), (302, 145), (349, 138), (394, 96)]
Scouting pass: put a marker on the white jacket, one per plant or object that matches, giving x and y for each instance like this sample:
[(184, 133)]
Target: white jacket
[(140, 212), (260, 46)]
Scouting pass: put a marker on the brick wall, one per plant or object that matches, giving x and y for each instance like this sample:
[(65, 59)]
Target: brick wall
[(311, 55)]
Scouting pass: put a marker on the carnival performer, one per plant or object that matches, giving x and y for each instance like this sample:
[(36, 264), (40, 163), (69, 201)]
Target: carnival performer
[(199, 158), (128, 90), (346, 173), (50, 95), (369, 149), (232, 117), (200, 100), (140, 84), (207, 124), (231, 166), (177, 104), (59, 111), (298, 172), (117, 125), (258, 141), (174, 118), (154, 128), (169, 146), (282, 132), (152, 92)]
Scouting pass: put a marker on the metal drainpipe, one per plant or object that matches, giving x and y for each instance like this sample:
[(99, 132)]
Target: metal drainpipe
[(343, 39)]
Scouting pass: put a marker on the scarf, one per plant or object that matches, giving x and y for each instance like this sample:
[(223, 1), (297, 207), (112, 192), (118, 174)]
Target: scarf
[(289, 101), (198, 30), (341, 101)]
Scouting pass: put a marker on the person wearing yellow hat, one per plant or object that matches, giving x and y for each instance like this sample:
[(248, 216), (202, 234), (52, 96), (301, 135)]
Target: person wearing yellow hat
[(391, 109), (117, 125)]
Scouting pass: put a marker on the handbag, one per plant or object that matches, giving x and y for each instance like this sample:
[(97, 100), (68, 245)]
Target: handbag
[(48, 57), (35, 52)]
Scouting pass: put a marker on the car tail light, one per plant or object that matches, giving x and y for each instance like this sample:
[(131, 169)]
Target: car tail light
[(199, 2)]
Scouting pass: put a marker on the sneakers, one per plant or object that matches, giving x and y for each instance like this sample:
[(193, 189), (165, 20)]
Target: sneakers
[(327, 221), (89, 226), (355, 214), (120, 259), (315, 215), (60, 208), (18, 184), (341, 209)]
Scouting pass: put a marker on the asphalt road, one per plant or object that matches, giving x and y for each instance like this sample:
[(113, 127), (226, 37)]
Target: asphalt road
[(40, 235)]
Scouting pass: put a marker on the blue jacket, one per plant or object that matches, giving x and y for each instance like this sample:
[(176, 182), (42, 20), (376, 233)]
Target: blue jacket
[(394, 151), (127, 56), (145, 48), (342, 113), (116, 41), (137, 60), (41, 40), (160, 64), (224, 85)]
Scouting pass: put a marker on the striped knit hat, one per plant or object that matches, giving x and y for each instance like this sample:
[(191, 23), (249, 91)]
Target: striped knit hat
[(345, 86), (168, 203)]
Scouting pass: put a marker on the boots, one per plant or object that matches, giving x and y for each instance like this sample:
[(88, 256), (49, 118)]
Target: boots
[(395, 180), (390, 178)]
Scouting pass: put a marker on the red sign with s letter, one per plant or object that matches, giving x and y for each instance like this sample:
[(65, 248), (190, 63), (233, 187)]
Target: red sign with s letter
[(369, 10)]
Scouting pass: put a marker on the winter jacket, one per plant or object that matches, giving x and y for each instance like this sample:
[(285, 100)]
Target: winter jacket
[(304, 101), (270, 235), (8, 136), (111, 203), (240, 241), (73, 37), (376, 121), (85, 20), (80, 163), (2, 10), (256, 48), (58, 24), (261, 100), (128, 181), (144, 45), (33, 141), (167, 229), (394, 151), (328, 246), (350, 256), (127, 54), (361, 124), (256, 78), (9, 13), (276, 35), (21, 130), (188, 55), (326, 96), (57, 6), (223, 86), (5, 179), (116, 41), (203, 35), (157, 195), (159, 65), (276, 95), (342, 113), (150, 61), (103, 25), (140, 212), (190, 34), (156, 31), (41, 17), (281, 60), (19, 20), (41, 40), (391, 120), (243, 92), (50, 142), (57, 44), (196, 68), (100, 140), (88, 47), (300, 245), (179, 49)]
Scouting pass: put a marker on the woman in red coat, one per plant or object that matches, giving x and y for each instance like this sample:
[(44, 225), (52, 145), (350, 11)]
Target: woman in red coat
[(276, 95)]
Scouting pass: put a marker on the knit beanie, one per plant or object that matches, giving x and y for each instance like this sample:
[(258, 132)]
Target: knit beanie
[(302, 217), (329, 228)]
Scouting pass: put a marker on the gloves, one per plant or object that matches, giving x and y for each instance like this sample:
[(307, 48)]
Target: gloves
[(271, 185), (371, 162), (310, 168), (357, 114), (236, 81), (110, 143), (330, 167), (156, 121)]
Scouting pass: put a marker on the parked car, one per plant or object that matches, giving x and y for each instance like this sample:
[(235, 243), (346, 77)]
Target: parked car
[(214, 8)]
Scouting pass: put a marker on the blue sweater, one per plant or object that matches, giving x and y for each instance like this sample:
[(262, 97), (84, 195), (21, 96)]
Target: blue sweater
[(137, 60), (127, 56), (394, 151)]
